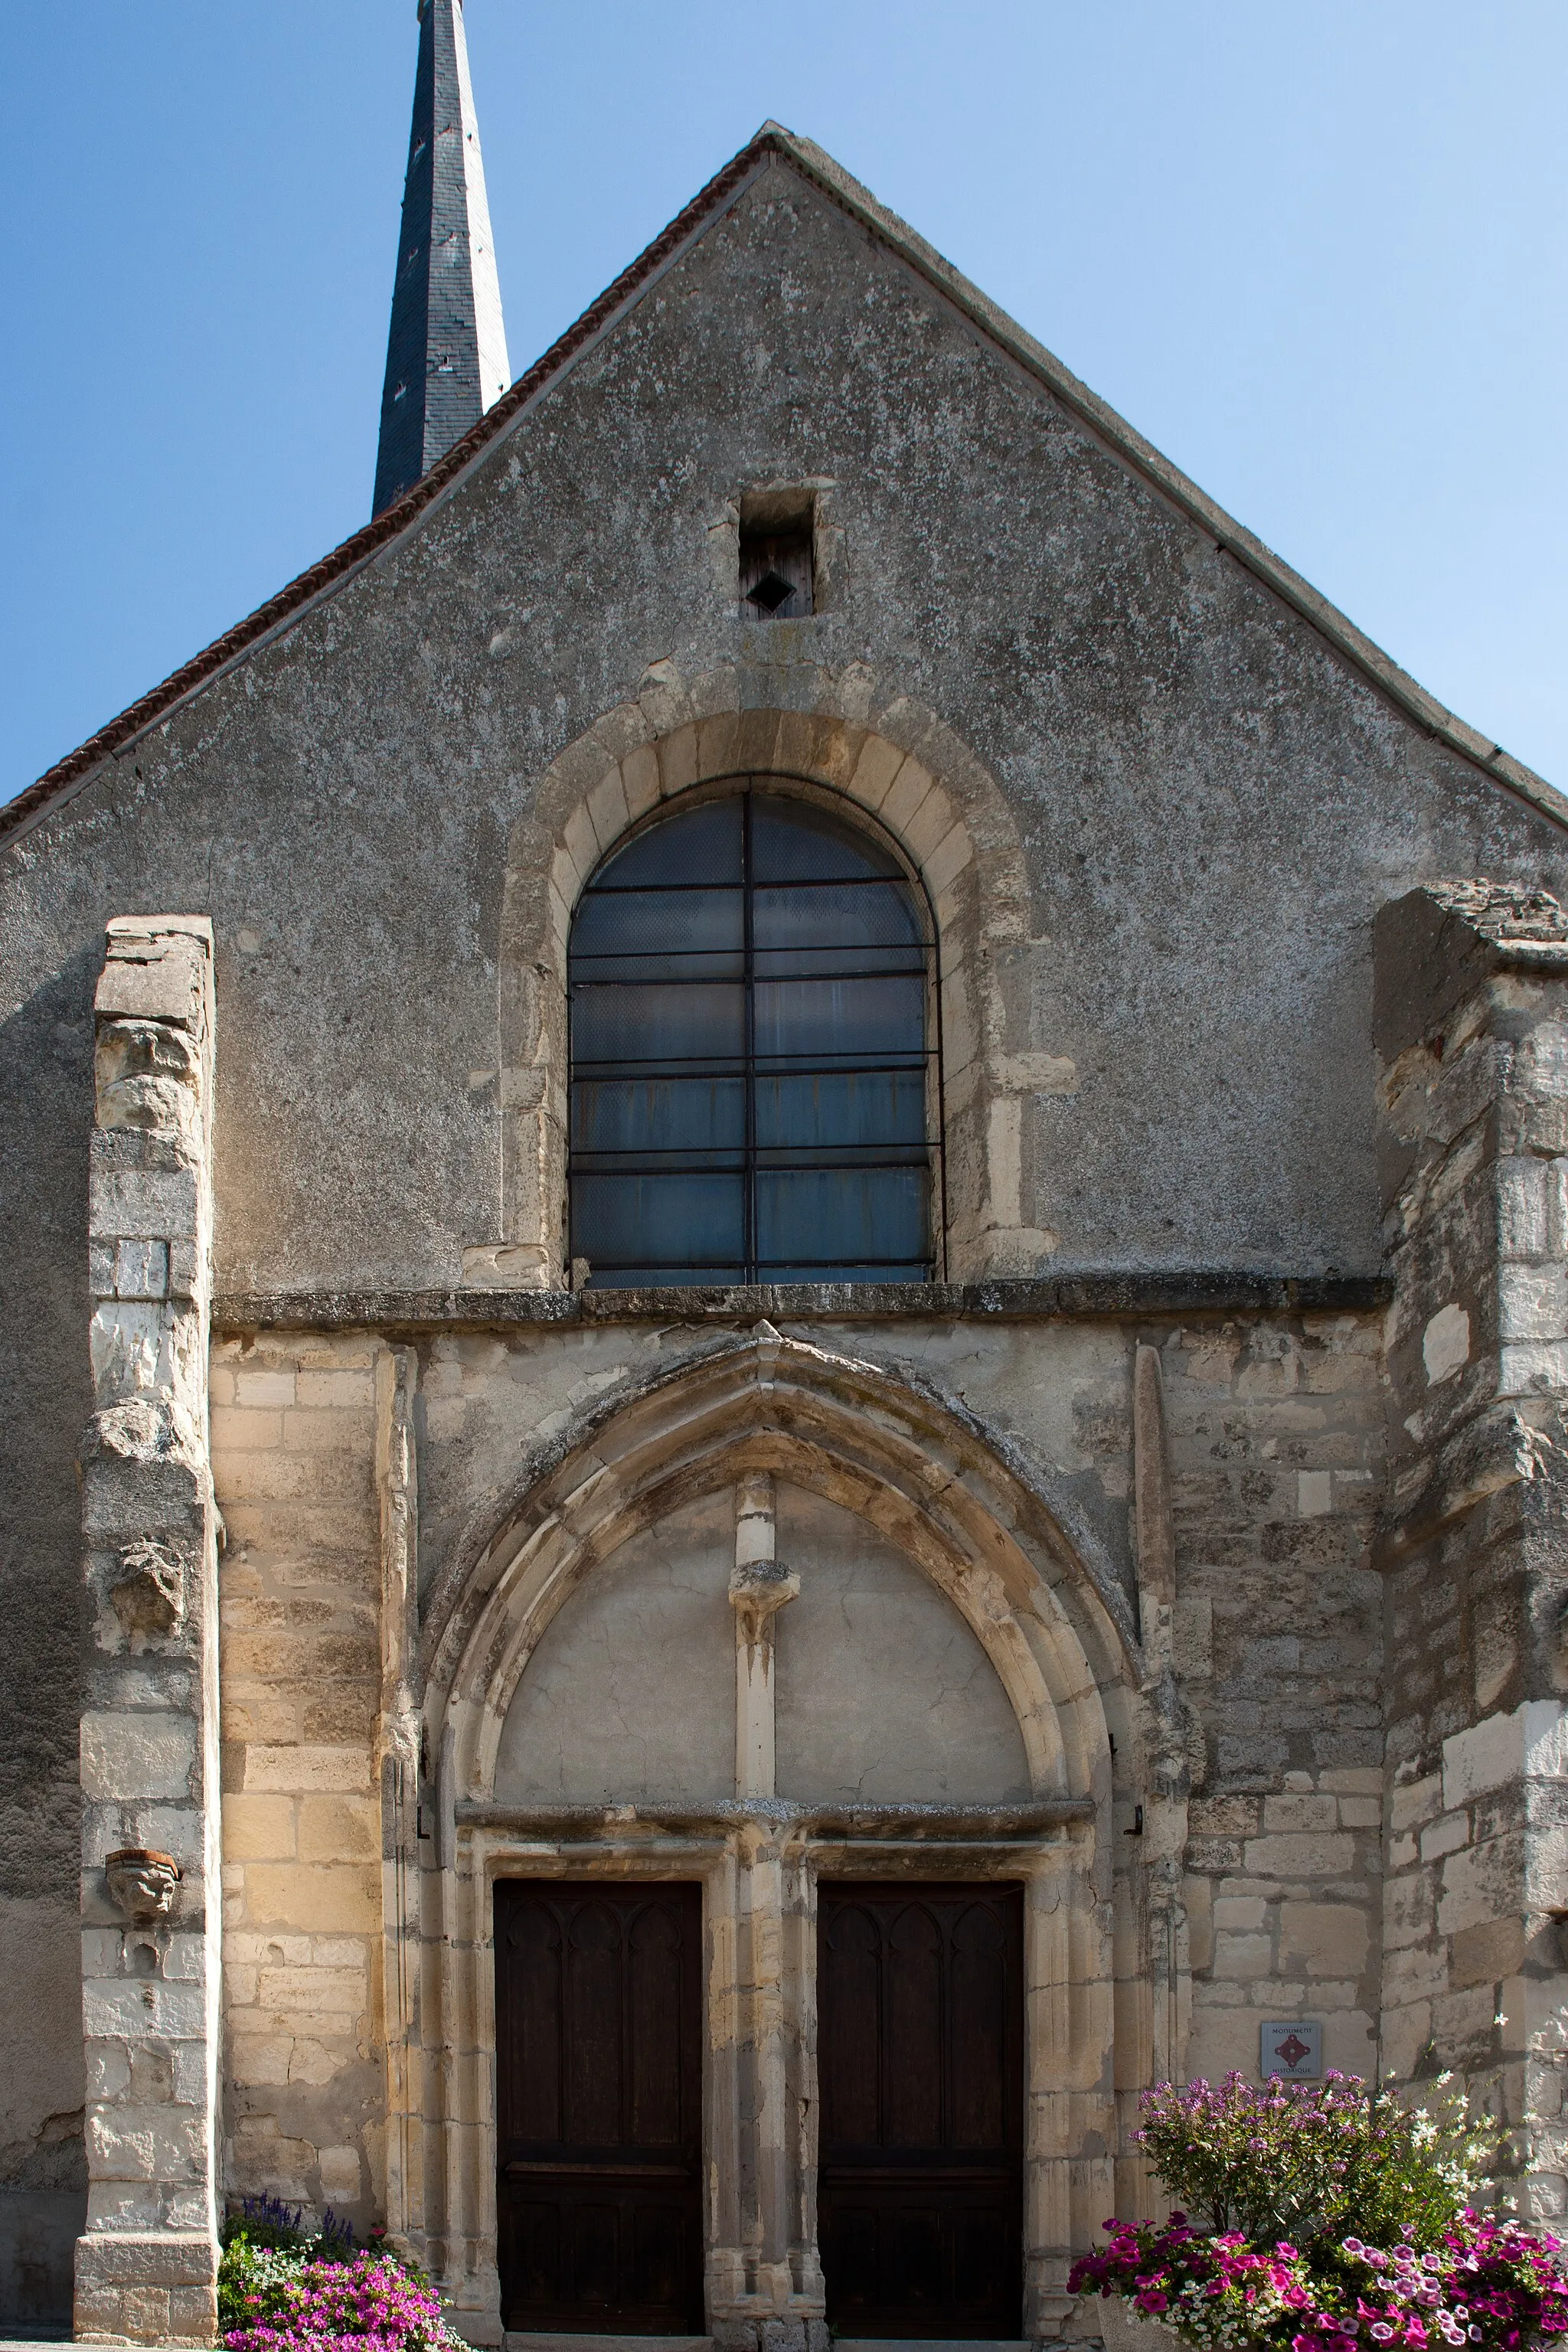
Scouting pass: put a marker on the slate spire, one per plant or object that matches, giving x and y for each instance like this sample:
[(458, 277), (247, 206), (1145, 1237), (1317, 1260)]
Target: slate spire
[(446, 355)]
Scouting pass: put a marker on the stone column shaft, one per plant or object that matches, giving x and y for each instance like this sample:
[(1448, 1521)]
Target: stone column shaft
[(754, 2284), (1168, 1781), (146, 2264), (397, 1376), (759, 1588)]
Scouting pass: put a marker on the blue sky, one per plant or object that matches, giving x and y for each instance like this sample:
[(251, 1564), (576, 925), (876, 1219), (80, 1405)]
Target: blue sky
[(1314, 249)]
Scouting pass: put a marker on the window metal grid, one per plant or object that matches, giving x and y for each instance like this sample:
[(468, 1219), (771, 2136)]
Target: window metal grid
[(752, 1063)]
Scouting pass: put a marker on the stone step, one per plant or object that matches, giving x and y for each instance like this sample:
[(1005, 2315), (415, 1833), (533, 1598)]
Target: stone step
[(515, 2342), (931, 2344)]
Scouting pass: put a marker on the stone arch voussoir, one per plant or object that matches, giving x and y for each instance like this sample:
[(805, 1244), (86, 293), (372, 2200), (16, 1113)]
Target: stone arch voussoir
[(886, 755), (842, 1427)]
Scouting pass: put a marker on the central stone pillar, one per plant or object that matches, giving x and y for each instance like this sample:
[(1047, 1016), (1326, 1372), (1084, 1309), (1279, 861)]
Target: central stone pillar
[(766, 2289), (759, 1588), (147, 2264)]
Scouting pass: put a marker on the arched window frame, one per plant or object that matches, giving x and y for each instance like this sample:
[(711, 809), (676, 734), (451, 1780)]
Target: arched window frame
[(854, 819)]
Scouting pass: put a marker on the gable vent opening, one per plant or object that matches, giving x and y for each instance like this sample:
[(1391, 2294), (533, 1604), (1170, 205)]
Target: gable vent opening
[(777, 555), (772, 594)]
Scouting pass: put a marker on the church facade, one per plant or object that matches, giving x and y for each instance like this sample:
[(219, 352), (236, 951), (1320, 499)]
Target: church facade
[(786, 1299)]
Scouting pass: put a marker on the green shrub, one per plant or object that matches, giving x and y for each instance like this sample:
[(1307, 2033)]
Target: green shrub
[(1336, 2220), (1312, 2162), (263, 2221)]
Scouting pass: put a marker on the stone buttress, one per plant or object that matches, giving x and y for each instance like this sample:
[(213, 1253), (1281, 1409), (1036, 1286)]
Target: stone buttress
[(1471, 1030), (146, 2265)]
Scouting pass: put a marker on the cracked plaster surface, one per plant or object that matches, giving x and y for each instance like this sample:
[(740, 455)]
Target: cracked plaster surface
[(884, 1692), (631, 1691)]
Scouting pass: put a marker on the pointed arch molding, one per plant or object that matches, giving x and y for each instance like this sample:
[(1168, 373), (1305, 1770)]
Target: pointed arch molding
[(888, 756), (1052, 1622)]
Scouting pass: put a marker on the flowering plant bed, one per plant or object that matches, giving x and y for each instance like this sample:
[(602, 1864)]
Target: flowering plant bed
[(1490, 2282), (289, 2303), (1337, 2222), (1215, 2290), (283, 2290)]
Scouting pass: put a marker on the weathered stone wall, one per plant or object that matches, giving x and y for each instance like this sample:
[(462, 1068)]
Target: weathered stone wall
[(1203, 805), (146, 2262), (1276, 1430), (1210, 804), (631, 1691), (1277, 1444), (494, 1405), (294, 1463), (45, 1092), (884, 1692), (1472, 1031)]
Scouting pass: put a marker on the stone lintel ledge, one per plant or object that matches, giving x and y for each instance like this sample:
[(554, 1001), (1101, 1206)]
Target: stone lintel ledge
[(719, 1816), (1062, 1297)]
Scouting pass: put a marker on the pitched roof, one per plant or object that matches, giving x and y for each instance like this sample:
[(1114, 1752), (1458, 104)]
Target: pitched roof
[(67, 775)]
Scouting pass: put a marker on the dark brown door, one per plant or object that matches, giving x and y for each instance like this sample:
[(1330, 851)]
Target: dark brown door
[(922, 2056), (599, 2088)]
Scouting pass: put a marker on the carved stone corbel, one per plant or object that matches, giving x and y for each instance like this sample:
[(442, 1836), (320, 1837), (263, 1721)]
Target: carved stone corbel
[(142, 1883), (147, 1595), (756, 1595)]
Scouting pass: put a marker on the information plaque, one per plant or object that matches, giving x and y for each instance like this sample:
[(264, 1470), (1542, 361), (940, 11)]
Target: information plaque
[(1293, 2049)]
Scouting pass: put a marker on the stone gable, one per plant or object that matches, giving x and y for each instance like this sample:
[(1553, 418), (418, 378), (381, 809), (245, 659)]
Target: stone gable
[(1194, 1538)]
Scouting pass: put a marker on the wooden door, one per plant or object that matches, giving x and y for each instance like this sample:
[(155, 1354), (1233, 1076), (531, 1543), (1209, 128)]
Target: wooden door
[(599, 2087), (920, 2050)]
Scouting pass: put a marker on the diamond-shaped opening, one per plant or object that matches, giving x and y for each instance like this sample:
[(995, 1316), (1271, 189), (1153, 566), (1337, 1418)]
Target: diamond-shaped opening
[(772, 593)]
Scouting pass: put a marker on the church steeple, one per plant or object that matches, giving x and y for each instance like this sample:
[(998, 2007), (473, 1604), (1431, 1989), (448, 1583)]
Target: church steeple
[(446, 355)]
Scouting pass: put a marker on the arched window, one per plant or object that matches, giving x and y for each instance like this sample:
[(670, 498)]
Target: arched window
[(753, 1076)]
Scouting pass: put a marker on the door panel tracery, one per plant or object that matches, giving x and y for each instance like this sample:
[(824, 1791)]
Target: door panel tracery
[(921, 2168), (598, 2043)]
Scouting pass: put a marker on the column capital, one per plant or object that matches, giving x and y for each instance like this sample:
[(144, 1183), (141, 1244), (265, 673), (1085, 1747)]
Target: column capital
[(758, 1590)]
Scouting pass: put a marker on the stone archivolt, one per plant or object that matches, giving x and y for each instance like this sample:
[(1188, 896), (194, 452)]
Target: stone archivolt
[(741, 1418), (842, 1427)]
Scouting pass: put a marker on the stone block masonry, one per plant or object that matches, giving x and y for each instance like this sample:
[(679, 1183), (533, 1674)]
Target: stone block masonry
[(1157, 1126), (1277, 1438), (1247, 1823), (1472, 1035), (294, 1458), (146, 2264)]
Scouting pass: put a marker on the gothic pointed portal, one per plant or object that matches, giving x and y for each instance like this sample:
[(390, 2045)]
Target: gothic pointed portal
[(446, 355)]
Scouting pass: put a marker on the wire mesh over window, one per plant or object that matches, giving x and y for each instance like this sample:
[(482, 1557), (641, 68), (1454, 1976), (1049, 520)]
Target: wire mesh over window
[(749, 1080)]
